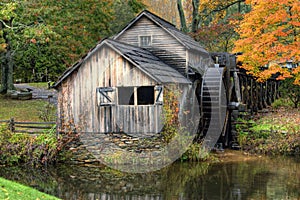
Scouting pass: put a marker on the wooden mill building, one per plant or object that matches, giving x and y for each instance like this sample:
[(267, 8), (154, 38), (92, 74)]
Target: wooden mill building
[(119, 84)]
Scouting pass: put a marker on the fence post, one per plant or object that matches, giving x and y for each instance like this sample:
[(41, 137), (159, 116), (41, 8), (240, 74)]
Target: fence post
[(12, 125)]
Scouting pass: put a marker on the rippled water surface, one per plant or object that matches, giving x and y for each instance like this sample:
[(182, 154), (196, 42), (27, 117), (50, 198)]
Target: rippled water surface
[(262, 178)]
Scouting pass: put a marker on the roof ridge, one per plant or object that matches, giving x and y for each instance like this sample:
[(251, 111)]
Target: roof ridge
[(160, 18)]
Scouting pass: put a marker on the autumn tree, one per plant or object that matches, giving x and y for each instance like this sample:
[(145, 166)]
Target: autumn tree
[(165, 8), (199, 13), (217, 36), (210, 22), (270, 37)]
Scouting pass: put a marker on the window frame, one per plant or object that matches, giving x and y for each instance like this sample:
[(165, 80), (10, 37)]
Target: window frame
[(136, 92), (143, 39)]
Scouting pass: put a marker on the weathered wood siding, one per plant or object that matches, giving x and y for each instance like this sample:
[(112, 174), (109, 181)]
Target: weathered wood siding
[(141, 119), (78, 99), (199, 61), (163, 44)]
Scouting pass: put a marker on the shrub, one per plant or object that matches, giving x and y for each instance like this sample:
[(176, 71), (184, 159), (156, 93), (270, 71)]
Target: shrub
[(18, 148), (290, 91), (272, 136), (282, 102), (172, 128), (35, 150), (196, 152)]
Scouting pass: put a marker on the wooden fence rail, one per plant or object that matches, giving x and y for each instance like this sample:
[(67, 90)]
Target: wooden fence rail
[(28, 127)]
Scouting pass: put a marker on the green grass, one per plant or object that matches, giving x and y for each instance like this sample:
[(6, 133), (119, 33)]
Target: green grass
[(43, 85), (27, 110), (15, 191), (283, 119), (268, 126)]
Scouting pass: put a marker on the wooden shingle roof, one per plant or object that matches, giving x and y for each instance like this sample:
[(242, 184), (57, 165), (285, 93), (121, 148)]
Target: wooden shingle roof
[(148, 63), (141, 58)]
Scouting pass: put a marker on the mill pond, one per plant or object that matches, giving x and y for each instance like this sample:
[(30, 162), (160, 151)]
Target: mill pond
[(246, 178), (131, 77)]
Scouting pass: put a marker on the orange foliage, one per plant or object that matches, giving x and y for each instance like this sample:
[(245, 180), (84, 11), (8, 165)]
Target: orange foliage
[(270, 35), (3, 47), (33, 40), (296, 73)]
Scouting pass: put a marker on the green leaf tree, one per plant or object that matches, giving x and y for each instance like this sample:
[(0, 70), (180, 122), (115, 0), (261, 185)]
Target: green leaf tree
[(7, 15), (22, 32), (290, 91), (123, 12), (40, 39)]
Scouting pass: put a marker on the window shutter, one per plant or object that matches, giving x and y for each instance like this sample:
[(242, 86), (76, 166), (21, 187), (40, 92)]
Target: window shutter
[(159, 95), (106, 96)]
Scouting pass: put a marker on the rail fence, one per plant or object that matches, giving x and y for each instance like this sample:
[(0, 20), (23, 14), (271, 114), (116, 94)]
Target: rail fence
[(27, 127)]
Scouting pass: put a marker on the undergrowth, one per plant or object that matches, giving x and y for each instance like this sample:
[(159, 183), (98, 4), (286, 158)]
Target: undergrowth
[(277, 133), (31, 149), (174, 129)]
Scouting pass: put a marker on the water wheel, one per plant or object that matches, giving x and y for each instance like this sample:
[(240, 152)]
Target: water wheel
[(214, 106)]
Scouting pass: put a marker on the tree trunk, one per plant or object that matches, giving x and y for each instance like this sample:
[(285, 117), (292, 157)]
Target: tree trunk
[(3, 88), (7, 66), (195, 20), (7, 74), (10, 70), (182, 16)]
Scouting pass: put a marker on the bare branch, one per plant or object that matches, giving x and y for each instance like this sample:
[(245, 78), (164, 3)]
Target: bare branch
[(4, 24), (227, 6)]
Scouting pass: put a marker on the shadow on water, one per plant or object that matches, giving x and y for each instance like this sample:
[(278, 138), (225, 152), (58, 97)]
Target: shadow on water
[(259, 179)]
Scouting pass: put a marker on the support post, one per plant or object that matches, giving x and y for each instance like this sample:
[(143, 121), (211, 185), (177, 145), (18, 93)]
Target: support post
[(11, 125)]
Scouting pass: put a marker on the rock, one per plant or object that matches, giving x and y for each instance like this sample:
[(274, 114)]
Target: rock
[(122, 145), (24, 95)]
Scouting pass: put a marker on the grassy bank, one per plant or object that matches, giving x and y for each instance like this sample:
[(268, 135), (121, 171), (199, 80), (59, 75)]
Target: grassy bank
[(12, 190), (273, 133), (28, 110)]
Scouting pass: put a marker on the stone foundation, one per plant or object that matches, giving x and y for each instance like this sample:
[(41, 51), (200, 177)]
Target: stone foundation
[(77, 150)]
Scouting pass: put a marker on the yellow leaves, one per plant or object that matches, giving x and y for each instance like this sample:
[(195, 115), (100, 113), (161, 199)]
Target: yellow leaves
[(296, 73), (297, 80), (165, 8), (296, 70), (274, 68), (7, 11)]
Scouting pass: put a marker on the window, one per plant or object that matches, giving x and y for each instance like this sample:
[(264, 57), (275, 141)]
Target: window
[(143, 95), (145, 41), (126, 95)]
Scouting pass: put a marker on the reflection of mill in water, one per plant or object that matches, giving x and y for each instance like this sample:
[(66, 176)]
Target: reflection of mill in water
[(256, 179)]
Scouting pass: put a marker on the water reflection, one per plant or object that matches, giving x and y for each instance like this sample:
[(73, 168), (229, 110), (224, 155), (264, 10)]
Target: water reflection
[(260, 179)]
